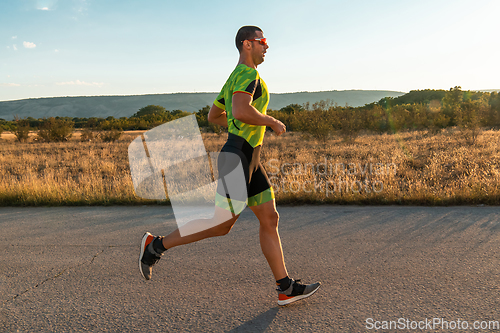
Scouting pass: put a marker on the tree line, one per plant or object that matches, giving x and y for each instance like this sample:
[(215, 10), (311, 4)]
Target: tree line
[(417, 110), (420, 109)]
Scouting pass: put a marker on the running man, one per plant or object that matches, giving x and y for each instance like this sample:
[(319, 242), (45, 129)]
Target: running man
[(241, 106)]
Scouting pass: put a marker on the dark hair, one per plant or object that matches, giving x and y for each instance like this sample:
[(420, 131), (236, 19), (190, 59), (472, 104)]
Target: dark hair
[(246, 32)]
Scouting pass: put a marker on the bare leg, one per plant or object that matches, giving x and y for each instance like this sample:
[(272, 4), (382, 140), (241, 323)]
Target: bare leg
[(219, 229), (270, 239)]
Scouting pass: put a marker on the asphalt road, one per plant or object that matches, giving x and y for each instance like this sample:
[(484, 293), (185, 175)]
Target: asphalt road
[(76, 269)]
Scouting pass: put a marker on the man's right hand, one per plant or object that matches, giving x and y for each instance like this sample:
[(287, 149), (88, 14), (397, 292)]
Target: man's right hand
[(278, 127)]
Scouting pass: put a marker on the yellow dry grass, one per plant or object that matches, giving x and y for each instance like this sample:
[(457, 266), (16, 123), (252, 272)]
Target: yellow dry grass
[(405, 168)]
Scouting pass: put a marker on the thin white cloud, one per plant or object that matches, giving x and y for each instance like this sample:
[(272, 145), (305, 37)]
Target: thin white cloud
[(80, 83), (10, 85), (44, 8), (14, 37), (14, 47), (29, 45)]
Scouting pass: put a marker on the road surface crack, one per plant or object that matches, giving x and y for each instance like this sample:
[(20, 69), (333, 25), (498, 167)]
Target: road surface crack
[(90, 262)]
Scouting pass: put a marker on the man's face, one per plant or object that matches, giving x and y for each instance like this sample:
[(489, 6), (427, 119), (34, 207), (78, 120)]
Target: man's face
[(258, 50)]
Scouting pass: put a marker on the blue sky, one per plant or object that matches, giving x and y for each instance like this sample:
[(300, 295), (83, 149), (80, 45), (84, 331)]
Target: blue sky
[(107, 47)]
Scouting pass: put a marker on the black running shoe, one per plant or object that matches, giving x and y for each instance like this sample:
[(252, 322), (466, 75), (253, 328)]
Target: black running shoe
[(148, 256), (296, 291)]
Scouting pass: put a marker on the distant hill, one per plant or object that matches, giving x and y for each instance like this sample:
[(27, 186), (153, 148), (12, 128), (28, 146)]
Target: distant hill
[(428, 95), (126, 106), (419, 96)]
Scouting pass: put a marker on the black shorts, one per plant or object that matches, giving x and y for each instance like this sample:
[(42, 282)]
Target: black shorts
[(259, 189)]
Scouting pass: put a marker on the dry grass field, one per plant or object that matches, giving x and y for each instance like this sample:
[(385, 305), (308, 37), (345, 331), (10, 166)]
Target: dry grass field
[(406, 168)]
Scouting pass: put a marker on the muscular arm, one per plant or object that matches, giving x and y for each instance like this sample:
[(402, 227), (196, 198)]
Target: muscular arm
[(217, 116), (245, 112)]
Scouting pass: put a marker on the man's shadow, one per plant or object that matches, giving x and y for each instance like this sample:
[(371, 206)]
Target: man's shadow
[(259, 323)]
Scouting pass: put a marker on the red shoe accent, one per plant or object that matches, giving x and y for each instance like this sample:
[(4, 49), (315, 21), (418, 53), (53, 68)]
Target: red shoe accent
[(148, 241), (283, 297)]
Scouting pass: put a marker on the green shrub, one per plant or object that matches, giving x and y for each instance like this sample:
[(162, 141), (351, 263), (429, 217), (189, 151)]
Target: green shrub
[(55, 130), (110, 136), (317, 124), (87, 135), (468, 118), (349, 123), (22, 129)]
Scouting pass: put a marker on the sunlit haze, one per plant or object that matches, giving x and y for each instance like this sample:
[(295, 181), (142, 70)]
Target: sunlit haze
[(84, 47)]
